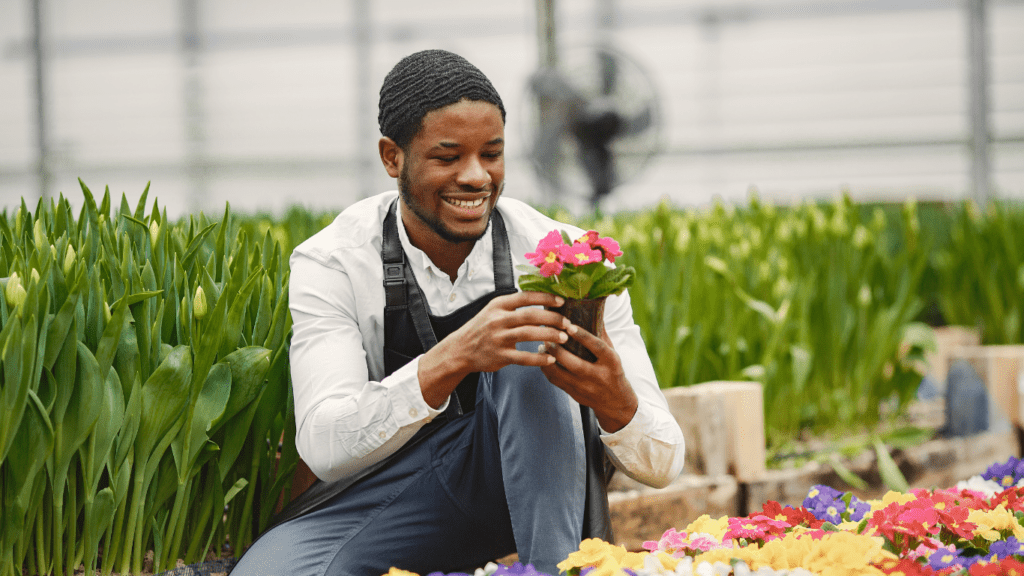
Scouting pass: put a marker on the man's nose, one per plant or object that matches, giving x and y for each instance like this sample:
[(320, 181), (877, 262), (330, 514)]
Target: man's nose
[(473, 174)]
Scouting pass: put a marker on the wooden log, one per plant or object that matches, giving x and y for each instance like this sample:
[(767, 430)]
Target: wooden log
[(1000, 368), (723, 424), (644, 513)]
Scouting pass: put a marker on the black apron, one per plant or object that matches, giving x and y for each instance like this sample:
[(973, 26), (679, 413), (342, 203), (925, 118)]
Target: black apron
[(410, 330)]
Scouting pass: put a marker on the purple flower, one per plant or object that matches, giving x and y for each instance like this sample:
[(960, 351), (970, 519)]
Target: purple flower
[(821, 493), (1005, 548), (830, 511), (858, 508), (1006, 474), (518, 569), (944, 558)]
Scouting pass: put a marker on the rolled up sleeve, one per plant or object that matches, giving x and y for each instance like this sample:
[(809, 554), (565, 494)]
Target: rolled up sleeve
[(650, 448), (344, 420)]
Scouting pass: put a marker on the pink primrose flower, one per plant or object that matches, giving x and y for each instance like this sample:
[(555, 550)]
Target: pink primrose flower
[(745, 528), (579, 254), (704, 543), (547, 257), (607, 245)]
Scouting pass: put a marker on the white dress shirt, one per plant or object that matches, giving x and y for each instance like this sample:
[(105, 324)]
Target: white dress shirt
[(349, 416)]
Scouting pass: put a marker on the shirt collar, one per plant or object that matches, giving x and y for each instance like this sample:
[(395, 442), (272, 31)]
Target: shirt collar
[(480, 255)]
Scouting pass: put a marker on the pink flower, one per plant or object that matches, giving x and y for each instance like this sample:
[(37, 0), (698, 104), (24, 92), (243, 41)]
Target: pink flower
[(579, 253), (547, 257), (608, 246)]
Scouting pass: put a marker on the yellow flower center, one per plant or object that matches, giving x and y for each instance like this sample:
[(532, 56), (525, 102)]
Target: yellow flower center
[(582, 257), (551, 257)]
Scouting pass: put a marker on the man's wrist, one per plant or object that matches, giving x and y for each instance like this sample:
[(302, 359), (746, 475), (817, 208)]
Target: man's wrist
[(440, 371)]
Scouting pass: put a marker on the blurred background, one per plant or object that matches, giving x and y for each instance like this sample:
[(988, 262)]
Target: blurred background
[(268, 104)]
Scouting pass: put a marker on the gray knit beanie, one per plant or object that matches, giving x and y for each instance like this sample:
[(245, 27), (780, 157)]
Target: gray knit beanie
[(426, 81)]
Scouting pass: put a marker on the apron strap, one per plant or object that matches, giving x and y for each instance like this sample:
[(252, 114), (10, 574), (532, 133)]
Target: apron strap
[(400, 288)]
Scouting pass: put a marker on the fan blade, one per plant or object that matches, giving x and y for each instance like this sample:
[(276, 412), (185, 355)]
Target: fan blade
[(549, 83), (609, 72), (638, 122)]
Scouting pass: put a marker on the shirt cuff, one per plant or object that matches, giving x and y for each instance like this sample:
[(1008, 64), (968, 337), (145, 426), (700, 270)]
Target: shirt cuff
[(407, 396), (633, 432)]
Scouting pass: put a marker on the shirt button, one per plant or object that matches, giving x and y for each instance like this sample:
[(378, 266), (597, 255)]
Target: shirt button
[(451, 297), (383, 435), (413, 412)]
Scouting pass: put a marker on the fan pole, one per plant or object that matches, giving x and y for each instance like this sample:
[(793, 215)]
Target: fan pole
[(547, 47), (547, 107)]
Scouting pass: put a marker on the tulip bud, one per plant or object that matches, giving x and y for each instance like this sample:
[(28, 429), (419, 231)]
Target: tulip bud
[(53, 251), (14, 292), (38, 235), (17, 223), (864, 296), (69, 259), (199, 305), (106, 313), (35, 275), (154, 231)]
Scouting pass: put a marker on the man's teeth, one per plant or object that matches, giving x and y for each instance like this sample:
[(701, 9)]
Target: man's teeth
[(465, 203)]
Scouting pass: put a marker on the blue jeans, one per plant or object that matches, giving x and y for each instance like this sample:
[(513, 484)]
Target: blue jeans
[(508, 476)]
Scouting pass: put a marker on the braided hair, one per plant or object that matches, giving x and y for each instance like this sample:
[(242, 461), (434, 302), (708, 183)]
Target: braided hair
[(426, 81)]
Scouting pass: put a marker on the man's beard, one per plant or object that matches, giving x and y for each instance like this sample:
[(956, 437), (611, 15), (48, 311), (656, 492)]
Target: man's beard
[(432, 220)]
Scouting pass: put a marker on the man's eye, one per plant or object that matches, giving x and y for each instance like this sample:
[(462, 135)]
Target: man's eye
[(494, 154), (447, 158)]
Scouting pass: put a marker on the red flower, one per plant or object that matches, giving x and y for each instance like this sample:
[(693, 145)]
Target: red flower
[(1012, 498), (794, 516), (1005, 567), (906, 567), (608, 246)]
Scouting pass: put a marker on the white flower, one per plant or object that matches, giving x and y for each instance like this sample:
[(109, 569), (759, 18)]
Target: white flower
[(978, 484)]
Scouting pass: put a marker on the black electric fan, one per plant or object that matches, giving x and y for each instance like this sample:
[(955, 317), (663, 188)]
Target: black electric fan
[(594, 123)]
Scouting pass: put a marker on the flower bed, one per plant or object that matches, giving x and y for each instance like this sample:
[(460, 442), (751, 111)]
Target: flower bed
[(975, 528)]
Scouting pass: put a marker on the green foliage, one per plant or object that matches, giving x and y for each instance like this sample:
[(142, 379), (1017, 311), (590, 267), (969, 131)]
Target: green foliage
[(131, 420), (144, 366), (981, 273), (809, 300)]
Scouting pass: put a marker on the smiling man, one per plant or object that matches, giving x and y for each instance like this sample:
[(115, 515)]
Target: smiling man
[(444, 434)]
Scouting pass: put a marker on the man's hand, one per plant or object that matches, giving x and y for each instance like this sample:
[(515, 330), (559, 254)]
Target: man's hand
[(602, 385), (488, 342)]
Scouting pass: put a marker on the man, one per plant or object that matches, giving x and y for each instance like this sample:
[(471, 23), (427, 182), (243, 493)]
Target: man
[(445, 433)]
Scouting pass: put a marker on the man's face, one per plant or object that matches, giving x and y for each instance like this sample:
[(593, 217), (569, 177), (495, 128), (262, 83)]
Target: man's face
[(453, 172)]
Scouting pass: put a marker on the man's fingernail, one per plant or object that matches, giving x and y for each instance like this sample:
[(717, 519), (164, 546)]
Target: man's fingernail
[(572, 329), (559, 300), (563, 336), (541, 349)]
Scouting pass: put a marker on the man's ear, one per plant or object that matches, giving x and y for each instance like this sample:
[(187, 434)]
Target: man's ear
[(391, 155)]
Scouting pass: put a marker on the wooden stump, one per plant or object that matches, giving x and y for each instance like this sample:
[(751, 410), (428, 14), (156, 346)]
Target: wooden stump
[(723, 424)]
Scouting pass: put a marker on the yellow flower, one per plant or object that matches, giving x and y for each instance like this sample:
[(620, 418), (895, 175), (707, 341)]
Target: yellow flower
[(890, 497), (668, 561), (992, 522), (592, 552), (836, 554), (397, 572), (608, 567), (633, 560), (704, 523)]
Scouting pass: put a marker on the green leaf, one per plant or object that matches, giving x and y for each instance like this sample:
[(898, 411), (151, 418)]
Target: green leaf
[(848, 476), (164, 396), (613, 282), (208, 408), (890, 472)]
